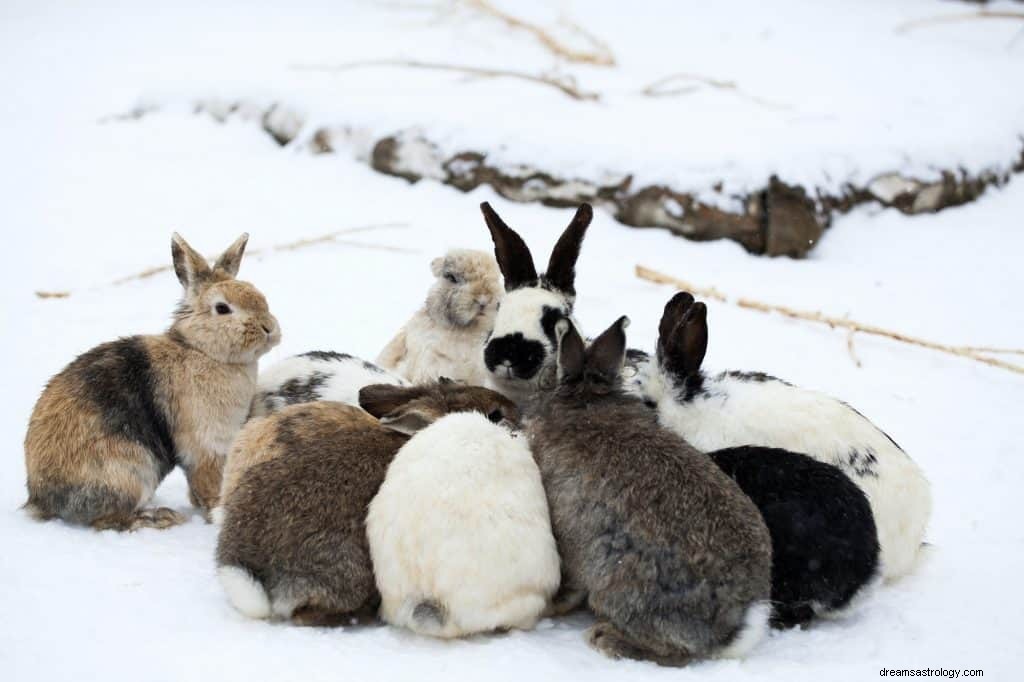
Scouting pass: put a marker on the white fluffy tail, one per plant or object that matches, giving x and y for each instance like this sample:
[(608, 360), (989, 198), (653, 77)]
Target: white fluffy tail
[(244, 592), (755, 625)]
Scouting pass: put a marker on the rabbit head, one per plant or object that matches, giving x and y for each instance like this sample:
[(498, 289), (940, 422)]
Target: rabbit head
[(594, 369), (224, 318), (408, 409), (520, 352), (467, 290)]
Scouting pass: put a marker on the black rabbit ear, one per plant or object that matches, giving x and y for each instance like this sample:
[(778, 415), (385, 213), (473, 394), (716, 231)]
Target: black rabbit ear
[(513, 256), (608, 351), (382, 399), (561, 272), (684, 352), (673, 315), (571, 351)]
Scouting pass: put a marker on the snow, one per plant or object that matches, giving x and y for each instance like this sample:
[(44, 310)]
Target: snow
[(86, 202)]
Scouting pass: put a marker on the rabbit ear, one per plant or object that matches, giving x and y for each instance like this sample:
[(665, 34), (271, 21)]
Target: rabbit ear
[(190, 267), (383, 399), (408, 420), (511, 252), (608, 351), (673, 314), (685, 352), (561, 272), (437, 266), (231, 259), (571, 352)]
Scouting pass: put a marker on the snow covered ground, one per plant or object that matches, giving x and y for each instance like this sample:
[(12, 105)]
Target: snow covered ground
[(85, 203)]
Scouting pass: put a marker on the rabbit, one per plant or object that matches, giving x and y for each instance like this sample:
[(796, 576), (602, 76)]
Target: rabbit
[(520, 353), (446, 336), (292, 543), (751, 408), (460, 533), (112, 424), (317, 375), (824, 541), (672, 558)]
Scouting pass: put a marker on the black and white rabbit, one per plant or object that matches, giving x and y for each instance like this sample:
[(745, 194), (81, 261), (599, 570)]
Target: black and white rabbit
[(671, 556), (715, 411)]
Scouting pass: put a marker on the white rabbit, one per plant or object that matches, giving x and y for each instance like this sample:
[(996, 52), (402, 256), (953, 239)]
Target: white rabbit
[(459, 532)]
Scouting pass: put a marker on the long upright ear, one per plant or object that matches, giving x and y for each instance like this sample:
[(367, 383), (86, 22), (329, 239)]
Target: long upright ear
[(673, 314), (561, 272), (608, 351), (684, 352), (571, 352), (231, 259), (382, 399), (190, 267), (511, 252)]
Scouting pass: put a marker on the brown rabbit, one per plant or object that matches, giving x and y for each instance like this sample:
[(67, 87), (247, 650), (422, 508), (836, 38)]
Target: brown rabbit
[(293, 542), (110, 426)]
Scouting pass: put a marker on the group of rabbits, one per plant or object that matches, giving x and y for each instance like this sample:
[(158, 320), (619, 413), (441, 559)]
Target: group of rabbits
[(494, 466)]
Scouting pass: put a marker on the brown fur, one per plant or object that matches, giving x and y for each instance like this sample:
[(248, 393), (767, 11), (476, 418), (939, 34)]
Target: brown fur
[(112, 424), (296, 521)]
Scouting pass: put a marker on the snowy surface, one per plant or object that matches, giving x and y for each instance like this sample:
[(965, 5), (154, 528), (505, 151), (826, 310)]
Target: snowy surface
[(87, 203)]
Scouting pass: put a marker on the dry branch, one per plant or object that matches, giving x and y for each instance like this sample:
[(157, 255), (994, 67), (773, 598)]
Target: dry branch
[(565, 84), (658, 88), (816, 316), (601, 56), (951, 18)]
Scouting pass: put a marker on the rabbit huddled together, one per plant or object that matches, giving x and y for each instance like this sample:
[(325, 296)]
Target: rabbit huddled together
[(491, 468)]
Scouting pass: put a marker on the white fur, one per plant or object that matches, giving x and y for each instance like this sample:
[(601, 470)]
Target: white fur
[(774, 414), (432, 351), (521, 312), (244, 592), (342, 380), (462, 520), (217, 515), (755, 626)]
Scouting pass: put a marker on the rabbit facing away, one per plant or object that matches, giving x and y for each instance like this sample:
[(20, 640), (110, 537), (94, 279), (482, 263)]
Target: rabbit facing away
[(671, 556), (111, 425), (460, 533), (520, 353), (824, 541), (445, 338), (715, 411), (317, 375), (293, 539)]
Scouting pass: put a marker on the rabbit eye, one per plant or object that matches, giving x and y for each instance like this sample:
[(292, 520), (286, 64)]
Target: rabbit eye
[(495, 416), (451, 278), (222, 308)]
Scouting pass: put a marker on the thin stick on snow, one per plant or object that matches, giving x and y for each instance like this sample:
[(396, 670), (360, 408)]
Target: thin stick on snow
[(659, 88), (833, 322), (600, 56), (849, 347), (565, 84), (330, 237), (951, 18)]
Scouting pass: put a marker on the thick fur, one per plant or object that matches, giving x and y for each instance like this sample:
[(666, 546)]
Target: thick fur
[(674, 559), (295, 521), (110, 426), (460, 533), (445, 338), (317, 375), (740, 408), (824, 542), (520, 354)]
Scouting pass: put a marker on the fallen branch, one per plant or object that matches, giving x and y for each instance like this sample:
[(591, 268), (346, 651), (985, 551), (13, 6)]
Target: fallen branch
[(849, 348), (952, 18), (833, 322), (565, 84), (331, 237), (659, 88), (601, 56)]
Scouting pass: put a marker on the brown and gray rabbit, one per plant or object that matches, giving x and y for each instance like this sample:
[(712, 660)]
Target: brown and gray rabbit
[(293, 542), (111, 425), (671, 556)]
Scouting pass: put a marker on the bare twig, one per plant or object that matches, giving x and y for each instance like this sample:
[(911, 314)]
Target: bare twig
[(951, 18), (565, 84), (660, 88), (843, 323), (600, 56), (53, 294), (849, 347)]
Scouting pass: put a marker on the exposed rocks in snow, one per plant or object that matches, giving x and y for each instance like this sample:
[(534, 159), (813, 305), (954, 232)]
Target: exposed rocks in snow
[(779, 219)]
